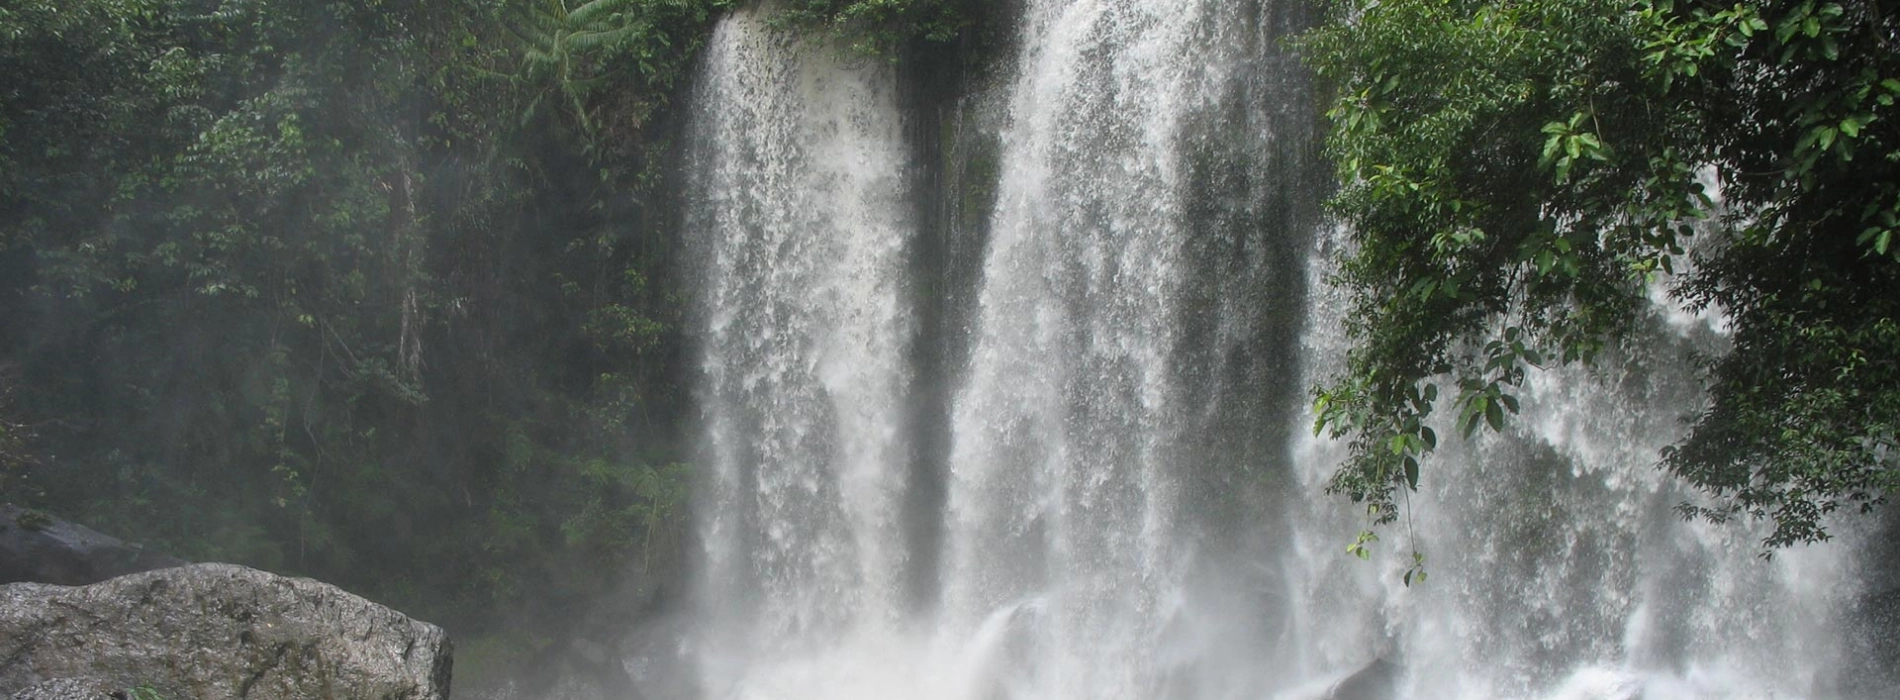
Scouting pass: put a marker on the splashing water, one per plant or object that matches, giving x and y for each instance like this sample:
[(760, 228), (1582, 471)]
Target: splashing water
[(1128, 506)]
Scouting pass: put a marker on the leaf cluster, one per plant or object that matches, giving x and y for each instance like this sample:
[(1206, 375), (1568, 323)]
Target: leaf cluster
[(604, 65), (880, 27), (1516, 174)]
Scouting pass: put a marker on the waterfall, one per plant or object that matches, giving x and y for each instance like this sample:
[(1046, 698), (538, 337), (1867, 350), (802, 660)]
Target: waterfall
[(797, 184), (1126, 499), (1076, 432), (1558, 566)]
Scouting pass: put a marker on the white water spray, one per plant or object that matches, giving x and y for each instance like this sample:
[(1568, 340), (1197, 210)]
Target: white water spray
[(799, 226), (1127, 509)]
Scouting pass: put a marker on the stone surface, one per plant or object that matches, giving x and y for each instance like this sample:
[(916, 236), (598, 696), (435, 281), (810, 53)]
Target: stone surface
[(218, 631), (67, 689), (34, 547), (1869, 667), (1379, 680)]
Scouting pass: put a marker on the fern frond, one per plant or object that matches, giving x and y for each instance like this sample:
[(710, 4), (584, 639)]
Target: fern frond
[(535, 56), (531, 28), (583, 86), (588, 41), (495, 75), (595, 11), (528, 112)]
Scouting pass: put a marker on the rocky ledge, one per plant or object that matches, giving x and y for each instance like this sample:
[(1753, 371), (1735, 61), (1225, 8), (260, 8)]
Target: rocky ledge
[(214, 631), (37, 547)]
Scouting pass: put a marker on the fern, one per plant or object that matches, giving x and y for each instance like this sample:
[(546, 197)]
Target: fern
[(572, 54)]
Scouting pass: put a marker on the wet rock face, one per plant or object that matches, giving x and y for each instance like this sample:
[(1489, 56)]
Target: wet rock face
[(68, 689), (34, 547), (1377, 681), (218, 631)]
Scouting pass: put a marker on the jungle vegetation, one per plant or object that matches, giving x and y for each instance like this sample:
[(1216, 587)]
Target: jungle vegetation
[(369, 291), (1516, 175)]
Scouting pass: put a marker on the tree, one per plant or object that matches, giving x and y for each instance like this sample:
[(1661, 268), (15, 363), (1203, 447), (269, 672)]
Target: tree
[(1508, 211), (295, 285)]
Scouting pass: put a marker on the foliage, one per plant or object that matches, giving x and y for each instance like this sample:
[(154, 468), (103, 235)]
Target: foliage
[(602, 58), (14, 458), (492, 659), (35, 520), (1515, 174), (296, 285), (880, 27)]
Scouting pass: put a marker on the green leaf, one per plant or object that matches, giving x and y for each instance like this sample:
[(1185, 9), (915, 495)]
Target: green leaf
[(1786, 30), (1359, 547), (1551, 146), (1474, 412)]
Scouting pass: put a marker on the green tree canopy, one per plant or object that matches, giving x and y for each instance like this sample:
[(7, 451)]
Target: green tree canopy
[(371, 291), (1514, 174)]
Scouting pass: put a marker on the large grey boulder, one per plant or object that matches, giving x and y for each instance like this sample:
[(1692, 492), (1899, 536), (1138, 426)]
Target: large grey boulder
[(37, 547), (218, 631)]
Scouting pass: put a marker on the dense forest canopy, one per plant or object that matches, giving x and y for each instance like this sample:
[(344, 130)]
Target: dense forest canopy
[(369, 291), (1517, 174)]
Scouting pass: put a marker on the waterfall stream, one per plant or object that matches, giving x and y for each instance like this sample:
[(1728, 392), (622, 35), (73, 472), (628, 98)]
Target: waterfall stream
[(799, 184), (1128, 500)]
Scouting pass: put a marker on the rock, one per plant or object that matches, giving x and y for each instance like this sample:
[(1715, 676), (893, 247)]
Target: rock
[(35, 547), (218, 631), (66, 689), (1379, 680), (1871, 667)]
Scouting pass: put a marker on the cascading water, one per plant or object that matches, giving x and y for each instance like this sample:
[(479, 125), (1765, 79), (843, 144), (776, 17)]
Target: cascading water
[(1559, 568), (1123, 505), (1078, 428), (797, 215)]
